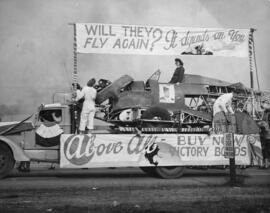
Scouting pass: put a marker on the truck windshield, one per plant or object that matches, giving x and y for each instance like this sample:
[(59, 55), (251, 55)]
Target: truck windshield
[(50, 115)]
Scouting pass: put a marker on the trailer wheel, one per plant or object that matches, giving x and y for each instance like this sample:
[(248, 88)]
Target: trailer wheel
[(156, 113), (6, 160), (170, 172), (149, 170)]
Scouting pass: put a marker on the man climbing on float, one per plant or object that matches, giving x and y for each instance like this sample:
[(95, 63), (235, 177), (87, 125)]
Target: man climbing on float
[(222, 111), (223, 104)]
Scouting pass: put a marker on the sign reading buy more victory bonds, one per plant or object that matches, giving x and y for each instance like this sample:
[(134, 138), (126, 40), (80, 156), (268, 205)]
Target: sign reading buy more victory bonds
[(123, 150), (160, 40)]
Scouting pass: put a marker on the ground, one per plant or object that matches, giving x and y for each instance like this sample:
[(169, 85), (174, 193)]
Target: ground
[(130, 190)]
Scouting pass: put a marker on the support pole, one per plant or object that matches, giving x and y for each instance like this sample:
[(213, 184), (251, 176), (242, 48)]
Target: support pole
[(251, 61), (251, 80), (74, 83), (75, 59)]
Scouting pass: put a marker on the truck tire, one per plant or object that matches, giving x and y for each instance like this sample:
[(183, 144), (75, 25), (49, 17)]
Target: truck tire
[(6, 160), (113, 90), (170, 172)]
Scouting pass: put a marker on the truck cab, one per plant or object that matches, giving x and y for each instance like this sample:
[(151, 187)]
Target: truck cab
[(36, 140)]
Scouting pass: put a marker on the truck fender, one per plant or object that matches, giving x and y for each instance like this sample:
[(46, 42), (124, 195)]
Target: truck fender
[(18, 153)]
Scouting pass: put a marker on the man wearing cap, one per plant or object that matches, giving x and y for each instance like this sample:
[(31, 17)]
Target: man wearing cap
[(178, 74), (88, 110)]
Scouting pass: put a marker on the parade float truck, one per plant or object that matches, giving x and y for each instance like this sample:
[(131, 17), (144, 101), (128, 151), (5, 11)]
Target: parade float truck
[(160, 127)]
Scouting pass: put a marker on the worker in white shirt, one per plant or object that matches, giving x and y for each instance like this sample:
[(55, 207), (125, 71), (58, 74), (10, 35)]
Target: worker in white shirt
[(88, 110), (223, 104)]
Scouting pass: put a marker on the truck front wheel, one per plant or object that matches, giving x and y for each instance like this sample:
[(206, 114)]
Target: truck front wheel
[(6, 160), (170, 172)]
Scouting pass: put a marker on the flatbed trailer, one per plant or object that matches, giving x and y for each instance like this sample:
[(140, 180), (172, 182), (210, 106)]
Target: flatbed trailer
[(157, 151)]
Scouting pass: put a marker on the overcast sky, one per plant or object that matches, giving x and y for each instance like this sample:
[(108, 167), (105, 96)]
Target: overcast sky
[(36, 54)]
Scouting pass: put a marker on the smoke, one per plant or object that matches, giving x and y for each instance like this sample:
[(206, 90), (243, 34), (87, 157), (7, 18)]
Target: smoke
[(6, 110), (36, 44)]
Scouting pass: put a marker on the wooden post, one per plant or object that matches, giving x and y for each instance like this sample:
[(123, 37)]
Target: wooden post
[(232, 165), (229, 151), (251, 61)]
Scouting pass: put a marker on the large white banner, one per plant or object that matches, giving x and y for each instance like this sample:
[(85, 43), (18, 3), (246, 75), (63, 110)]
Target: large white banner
[(160, 40), (123, 150)]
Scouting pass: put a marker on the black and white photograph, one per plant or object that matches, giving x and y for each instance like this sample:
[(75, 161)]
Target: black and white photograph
[(129, 106)]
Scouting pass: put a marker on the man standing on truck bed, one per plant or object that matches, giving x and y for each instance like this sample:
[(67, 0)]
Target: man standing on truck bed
[(223, 112), (178, 74), (88, 110), (223, 104)]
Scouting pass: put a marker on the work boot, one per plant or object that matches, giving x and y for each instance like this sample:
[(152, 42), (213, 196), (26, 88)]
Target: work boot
[(24, 166), (88, 131), (266, 164)]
